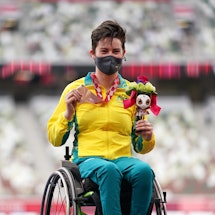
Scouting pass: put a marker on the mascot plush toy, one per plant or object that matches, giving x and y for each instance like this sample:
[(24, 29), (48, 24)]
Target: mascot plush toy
[(142, 94)]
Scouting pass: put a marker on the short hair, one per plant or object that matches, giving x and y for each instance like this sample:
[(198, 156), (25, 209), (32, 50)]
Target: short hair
[(108, 29)]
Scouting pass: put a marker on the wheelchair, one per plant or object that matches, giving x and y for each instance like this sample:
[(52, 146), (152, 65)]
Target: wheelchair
[(66, 193)]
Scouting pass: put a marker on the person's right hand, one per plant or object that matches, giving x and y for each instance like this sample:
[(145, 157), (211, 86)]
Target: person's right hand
[(71, 99)]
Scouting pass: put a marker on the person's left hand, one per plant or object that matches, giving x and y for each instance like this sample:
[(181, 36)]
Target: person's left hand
[(144, 128)]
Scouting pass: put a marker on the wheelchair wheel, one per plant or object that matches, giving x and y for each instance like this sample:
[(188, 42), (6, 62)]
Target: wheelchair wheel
[(159, 199), (59, 195)]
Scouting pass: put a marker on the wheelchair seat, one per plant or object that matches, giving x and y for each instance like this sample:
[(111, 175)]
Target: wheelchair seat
[(67, 193)]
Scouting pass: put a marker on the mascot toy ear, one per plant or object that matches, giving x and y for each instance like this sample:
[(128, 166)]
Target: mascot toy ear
[(154, 107), (131, 101)]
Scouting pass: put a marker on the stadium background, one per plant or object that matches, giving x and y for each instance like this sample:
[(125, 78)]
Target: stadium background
[(44, 45)]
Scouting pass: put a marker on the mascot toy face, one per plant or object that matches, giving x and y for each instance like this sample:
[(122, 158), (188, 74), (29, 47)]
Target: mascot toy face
[(143, 101), (143, 95)]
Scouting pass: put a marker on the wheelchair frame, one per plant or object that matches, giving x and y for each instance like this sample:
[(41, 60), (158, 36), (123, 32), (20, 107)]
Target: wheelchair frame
[(65, 193)]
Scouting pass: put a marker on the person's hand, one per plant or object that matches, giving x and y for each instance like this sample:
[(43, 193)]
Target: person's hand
[(71, 99), (144, 128)]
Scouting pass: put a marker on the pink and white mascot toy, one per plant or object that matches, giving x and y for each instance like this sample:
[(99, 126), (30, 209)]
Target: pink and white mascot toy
[(142, 94)]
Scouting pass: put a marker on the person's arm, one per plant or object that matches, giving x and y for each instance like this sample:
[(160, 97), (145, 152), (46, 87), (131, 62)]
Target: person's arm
[(143, 138), (60, 123)]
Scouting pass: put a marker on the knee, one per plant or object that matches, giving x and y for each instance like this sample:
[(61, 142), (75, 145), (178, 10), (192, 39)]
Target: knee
[(147, 170), (144, 171), (111, 170)]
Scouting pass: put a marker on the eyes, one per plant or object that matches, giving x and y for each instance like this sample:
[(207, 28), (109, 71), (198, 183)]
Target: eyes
[(107, 51), (109, 46)]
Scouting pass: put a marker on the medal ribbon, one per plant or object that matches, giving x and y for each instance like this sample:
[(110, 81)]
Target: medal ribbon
[(110, 92)]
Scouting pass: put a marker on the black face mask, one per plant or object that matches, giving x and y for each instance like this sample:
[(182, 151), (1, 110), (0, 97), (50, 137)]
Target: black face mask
[(109, 64)]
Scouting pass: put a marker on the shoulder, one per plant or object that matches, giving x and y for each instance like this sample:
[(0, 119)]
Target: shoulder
[(123, 82)]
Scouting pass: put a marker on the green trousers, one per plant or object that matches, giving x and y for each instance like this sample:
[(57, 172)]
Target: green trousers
[(108, 175)]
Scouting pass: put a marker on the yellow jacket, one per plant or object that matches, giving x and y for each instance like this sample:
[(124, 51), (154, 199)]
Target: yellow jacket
[(103, 130)]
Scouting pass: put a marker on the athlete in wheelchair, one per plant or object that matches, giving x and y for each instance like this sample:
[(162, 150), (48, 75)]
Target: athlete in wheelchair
[(102, 167)]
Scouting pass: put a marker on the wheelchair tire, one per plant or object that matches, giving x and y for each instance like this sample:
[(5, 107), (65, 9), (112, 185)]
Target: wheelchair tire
[(159, 199), (59, 196)]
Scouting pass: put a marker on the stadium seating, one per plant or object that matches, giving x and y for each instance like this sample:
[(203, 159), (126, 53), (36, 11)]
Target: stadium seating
[(158, 31)]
